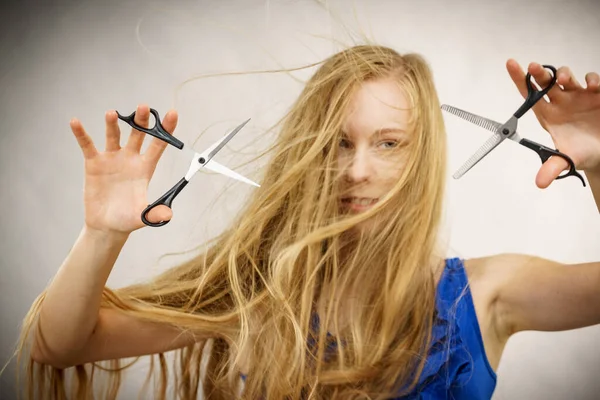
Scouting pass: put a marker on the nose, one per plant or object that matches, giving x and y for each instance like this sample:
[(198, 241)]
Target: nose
[(360, 168)]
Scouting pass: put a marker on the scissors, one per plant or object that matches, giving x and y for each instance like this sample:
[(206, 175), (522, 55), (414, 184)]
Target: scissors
[(199, 160), (508, 130)]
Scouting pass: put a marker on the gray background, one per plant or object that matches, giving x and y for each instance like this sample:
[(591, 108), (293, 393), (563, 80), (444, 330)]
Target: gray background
[(65, 59)]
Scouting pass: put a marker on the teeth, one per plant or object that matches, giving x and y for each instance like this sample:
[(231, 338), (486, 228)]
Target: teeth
[(362, 201)]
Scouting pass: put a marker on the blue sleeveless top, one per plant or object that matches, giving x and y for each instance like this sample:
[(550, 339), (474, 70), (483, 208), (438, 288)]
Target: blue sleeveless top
[(457, 367)]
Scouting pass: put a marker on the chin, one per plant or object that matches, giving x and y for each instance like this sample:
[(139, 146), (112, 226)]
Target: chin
[(365, 226), (362, 227)]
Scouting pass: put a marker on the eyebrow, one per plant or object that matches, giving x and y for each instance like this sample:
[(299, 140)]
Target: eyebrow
[(382, 131), (388, 130)]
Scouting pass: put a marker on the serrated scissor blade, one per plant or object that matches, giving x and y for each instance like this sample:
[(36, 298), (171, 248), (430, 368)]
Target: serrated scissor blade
[(473, 118), (483, 151)]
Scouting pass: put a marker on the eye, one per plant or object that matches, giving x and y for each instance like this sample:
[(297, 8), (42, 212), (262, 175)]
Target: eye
[(389, 144), (344, 143)]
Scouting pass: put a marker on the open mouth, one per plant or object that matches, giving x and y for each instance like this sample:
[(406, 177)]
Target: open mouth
[(358, 203)]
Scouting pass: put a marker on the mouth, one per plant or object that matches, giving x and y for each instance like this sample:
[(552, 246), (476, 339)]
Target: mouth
[(358, 203)]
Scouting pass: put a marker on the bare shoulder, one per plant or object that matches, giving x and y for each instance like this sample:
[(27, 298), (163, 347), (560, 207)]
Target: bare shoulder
[(487, 276), (494, 265), (485, 283), (490, 273)]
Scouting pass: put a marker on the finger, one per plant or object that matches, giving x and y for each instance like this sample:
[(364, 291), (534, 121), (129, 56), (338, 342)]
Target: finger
[(550, 170), (136, 138), (519, 78), (566, 79), (113, 133), (159, 214), (517, 75), (84, 140), (157, 146), (543, 77), (592, 81)]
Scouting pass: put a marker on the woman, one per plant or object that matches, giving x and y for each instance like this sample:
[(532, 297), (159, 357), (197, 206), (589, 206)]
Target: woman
[(342, 234)]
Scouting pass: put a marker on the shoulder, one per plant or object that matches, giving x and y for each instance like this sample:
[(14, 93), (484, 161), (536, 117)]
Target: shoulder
[(489, 276), (494, 270)]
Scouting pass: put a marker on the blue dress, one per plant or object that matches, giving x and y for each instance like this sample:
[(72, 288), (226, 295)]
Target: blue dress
[(457, 367)]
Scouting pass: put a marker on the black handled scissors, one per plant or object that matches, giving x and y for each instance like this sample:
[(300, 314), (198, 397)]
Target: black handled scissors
[(199, 161), (508, 130)]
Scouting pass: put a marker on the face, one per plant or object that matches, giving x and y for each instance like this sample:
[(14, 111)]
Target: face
[(373, 149)]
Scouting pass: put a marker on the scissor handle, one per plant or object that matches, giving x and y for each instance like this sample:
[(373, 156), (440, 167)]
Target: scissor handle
[(164, 200), (157, 130), (534, 95), (545, 153)]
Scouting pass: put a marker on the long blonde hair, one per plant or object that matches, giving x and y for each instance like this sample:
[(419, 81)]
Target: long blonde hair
[(277, 275)]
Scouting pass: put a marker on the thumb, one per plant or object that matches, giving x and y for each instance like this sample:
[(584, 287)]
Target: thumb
[(549, 171), (160, 213)]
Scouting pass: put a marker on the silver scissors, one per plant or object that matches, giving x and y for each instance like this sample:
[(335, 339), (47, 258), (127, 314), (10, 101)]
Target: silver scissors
[(199, 161), (508, 130)]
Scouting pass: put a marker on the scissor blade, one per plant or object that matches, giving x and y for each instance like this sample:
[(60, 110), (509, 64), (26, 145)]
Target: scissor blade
[(214, 149), (216, 167), (483, 151), (473, 118)]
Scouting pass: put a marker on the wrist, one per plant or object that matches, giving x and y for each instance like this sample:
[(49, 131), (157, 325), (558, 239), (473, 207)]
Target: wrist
[(593, 172), (105, 236)]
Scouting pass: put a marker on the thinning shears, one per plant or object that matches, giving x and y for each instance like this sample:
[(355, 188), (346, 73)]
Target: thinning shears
[(508, 130), (199, 160)]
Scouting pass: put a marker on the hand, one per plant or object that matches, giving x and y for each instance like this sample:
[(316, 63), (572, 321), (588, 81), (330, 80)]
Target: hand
[(572, 117), (116, 180)]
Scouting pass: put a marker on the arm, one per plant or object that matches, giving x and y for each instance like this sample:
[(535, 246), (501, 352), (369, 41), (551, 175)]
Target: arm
[(72, 328), (69, 312), (594, 181), (533, 293), (117, 335)]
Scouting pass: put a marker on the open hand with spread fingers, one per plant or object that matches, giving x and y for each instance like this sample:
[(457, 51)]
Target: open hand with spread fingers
[(116, 179)]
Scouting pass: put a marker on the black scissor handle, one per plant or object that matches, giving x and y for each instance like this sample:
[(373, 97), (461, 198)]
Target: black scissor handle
[(534, 95), (545, 153), (164, 200), (157, 130)]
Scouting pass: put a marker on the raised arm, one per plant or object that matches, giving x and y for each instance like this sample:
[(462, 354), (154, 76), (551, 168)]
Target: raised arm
[(71, 328), (533, 293)]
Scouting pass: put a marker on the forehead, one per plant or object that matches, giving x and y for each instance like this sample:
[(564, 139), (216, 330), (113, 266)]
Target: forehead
[(375, 105)]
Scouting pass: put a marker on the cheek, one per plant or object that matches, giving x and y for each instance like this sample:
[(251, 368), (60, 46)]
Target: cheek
[(343, 162), (389, 172), (391, 165), (390, 179)]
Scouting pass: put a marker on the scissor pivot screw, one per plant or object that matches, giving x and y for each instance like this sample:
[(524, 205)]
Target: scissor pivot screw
[(201, 160), (505, 131)]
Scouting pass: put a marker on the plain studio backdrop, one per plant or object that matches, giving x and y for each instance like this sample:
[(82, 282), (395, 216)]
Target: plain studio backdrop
[(68, 59)]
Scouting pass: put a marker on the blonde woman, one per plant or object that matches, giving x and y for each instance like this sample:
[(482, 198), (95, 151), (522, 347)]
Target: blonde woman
[(330, 284)]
